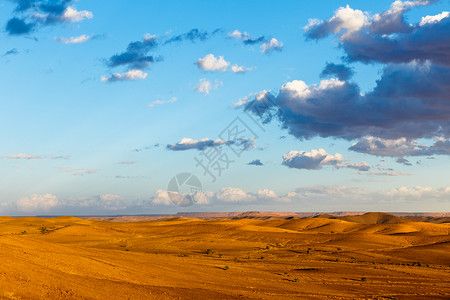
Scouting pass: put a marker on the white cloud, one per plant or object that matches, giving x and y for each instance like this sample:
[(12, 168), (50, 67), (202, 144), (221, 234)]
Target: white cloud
[(171, 100), (205, 86), (269, 195), (434, 19), (72, 15), (37, 202), (230, 194), (74, 40), (272, 45), (212, 63), (130, 75), (418, 192), (259, 96), (161, 198), (239, 69), (111, 202), (171, 198), (349, 19), (318, 196), (236, 34)]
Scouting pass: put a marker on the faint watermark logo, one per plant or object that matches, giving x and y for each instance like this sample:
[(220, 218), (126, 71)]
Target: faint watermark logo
[(184, 189)]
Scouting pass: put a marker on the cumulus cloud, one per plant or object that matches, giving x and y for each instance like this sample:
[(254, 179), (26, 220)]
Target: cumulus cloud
[(420, 192), (316, 159), (387, 37), (230, 194), (325, 195), (202, 144), (131, 75), (255, 162), (37, 202), (212, 63), (345, 19), (74, 40), (157, 102), (72, 15), (31, 14), (166, 198), (272, 45), (410, 100), (205, 86)]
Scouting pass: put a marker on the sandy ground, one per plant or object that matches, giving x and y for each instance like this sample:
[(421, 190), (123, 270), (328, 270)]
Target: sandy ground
[(375, 256)]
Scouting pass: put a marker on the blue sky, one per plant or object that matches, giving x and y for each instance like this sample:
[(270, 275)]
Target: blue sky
[(345, 105)]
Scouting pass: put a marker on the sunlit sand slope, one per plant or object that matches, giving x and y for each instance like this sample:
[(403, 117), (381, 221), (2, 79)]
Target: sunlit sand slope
[(375, 256)]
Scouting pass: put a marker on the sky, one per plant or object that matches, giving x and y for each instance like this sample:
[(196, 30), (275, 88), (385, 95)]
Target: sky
[(156, 107)]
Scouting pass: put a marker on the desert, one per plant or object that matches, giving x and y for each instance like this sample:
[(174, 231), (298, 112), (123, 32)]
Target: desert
[(369, 256)]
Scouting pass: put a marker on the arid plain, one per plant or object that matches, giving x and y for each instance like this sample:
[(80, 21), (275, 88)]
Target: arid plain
[(372, 256)]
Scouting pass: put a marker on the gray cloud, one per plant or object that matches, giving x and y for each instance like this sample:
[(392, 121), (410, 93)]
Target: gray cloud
[(410, 100), (136, 55), (387, 37), (400, 147), (404, 161), (340, 71), (30, 14), (193, 36), (255, 162)]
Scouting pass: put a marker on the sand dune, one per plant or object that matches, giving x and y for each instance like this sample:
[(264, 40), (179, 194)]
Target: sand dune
[(372, 256)]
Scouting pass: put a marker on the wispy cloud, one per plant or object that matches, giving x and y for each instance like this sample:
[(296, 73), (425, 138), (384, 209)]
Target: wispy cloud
[(12, 51), (74, 40), (78, 171), (126, 162), (157, 102), (201, 144), (193, 35), (205, 86), (30, 156)]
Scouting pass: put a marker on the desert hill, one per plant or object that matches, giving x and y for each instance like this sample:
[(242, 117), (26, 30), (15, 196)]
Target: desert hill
[(371, 256)]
